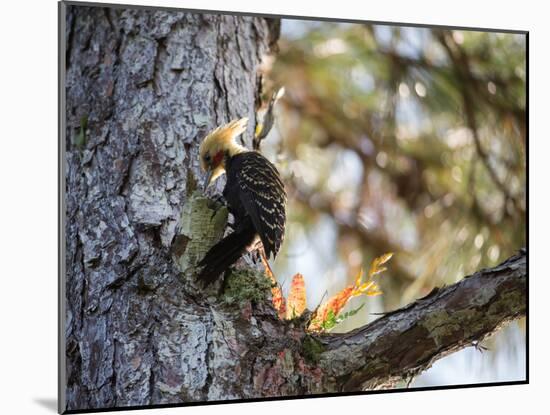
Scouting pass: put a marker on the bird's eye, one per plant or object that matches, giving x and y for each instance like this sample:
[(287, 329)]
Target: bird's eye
[(207, 158)]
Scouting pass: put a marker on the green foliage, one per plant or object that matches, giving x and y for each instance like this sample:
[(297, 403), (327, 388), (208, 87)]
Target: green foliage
[(312, 349), (333, 320)]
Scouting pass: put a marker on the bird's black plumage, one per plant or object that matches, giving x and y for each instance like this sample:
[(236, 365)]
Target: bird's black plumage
[(256, 198)]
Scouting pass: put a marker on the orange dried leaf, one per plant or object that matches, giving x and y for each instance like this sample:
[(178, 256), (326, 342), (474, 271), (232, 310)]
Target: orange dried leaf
[(336, 302), (367, 289), (327, 315), (376, 266), (373, 293), (296, 303), (377, 271), (278, 301), (384, 258), (358, 277), (331, 307), (276, 294)]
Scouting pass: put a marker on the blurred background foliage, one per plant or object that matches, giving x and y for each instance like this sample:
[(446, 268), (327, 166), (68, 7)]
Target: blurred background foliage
[(404, 140)]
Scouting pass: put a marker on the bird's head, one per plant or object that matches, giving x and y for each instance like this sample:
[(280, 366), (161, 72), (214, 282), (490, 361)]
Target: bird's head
[(217, 146)]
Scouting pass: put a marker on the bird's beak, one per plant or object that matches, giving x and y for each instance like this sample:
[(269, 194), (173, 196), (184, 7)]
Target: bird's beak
[(207, 179)]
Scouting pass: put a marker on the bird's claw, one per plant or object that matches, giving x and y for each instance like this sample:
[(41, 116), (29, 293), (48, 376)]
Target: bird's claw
[(479, 347)]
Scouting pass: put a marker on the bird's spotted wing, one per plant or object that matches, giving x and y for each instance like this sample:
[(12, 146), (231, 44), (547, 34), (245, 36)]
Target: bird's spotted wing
[(264, 199)]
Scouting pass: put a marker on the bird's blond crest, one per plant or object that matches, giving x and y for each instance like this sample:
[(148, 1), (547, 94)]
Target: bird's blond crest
[(223, 138), (229, 131), (218, 144)]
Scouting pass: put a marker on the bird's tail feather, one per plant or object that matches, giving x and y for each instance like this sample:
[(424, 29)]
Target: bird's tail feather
[(225, 253)]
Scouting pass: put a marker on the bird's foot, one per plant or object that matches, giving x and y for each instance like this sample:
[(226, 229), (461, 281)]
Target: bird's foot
[(477, 345)]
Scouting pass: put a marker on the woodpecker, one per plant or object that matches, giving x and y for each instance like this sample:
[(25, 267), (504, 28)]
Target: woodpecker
[(254, 194)]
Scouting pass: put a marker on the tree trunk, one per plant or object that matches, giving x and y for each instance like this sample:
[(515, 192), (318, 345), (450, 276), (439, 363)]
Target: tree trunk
[(142, 88)]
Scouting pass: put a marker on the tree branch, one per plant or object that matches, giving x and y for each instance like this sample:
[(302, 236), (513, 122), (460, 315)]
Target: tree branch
[(405, 342), (462, 70)]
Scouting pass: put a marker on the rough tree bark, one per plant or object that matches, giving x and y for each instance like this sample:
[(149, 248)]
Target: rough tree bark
[(142, 88)]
